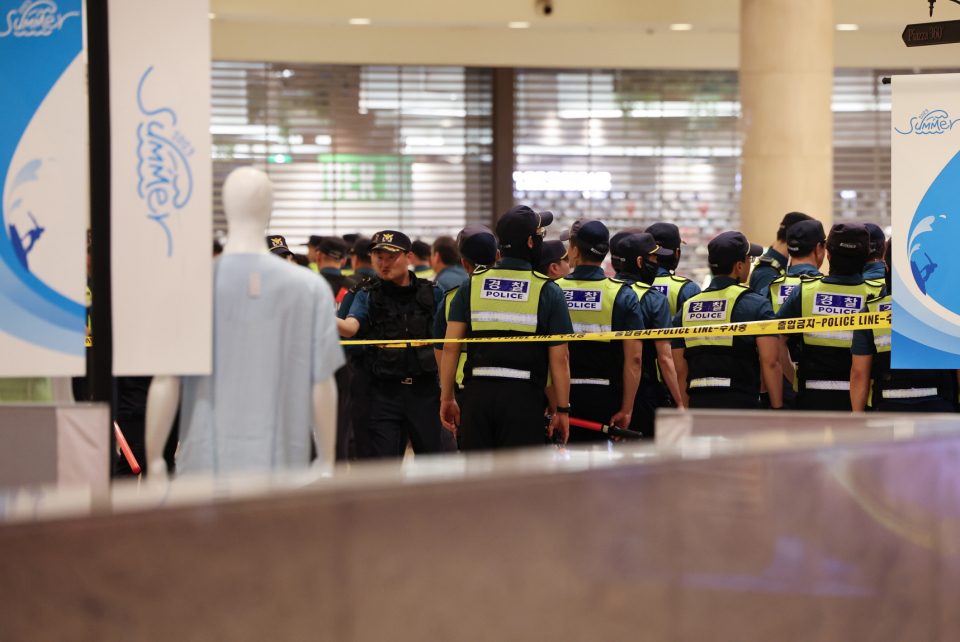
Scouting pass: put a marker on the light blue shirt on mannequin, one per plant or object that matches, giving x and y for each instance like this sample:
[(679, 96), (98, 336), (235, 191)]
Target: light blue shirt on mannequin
[(274, 337)]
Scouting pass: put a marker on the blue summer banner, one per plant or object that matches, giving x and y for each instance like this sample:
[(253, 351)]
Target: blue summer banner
[(43, 188), (926, 219)]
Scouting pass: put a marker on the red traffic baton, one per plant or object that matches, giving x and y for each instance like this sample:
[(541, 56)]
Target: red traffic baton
[(613, 431), (125, 448)]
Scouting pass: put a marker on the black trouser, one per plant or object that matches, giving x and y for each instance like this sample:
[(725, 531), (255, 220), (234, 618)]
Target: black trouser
[(837, 400), (725, 398), (650, 395), (500, 413), (359, 404), (593, 403), (397, 412), (934, 405), (344, 378)]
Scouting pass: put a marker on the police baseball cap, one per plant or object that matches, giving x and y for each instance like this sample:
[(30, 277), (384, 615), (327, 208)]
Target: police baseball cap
[(278, 245), (519, 224), (477, 244), (314, 241), (666, 235), (350, 239), (849, 239), (594, 237), (802, 237), (792, 219), (566, 235), (878, 239), (553, 251), (642, 244), (333, 247), (616, 258), (391, 241), (729, 247), (361, 248)]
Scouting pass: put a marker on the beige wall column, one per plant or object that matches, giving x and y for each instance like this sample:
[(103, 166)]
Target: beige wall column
[(786, 82)]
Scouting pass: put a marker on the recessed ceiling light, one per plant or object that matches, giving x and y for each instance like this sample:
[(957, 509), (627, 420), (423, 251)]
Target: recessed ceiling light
[(681, 27), (211, 15), (359, 21), (848, 27), (518, 25)]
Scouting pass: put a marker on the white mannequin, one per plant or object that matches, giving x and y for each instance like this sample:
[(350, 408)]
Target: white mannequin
[(248, 202)]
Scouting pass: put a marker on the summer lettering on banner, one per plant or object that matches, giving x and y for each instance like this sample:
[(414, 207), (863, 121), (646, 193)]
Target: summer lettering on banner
[(161, 188)]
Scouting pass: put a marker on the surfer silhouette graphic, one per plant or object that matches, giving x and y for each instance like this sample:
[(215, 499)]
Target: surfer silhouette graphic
[(32, 235), (921, 275)]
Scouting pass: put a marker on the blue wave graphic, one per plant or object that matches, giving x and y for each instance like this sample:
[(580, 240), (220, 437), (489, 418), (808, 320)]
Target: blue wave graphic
[(29, 68), (921, 338)]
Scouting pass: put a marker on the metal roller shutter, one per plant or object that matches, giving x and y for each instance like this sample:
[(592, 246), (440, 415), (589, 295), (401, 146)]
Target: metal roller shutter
[(357, 148)]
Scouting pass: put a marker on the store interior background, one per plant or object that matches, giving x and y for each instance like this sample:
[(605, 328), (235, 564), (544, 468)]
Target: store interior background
[(376, 114)]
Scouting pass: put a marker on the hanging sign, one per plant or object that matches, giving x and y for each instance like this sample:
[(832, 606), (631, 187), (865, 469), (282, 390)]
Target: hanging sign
[(44, 202), (161, 202), (926, 221)]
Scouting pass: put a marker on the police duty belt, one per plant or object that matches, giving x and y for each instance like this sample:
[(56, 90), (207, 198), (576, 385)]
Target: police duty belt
[(832, 323)]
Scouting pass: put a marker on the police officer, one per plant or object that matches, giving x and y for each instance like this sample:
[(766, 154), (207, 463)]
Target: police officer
[(823, 373), (725, 372), (894, 390), (504, 381), (351, 241), (554, 262), (604, 375), (637, 256), (329, 258), (403, 397), (313, 250), (446, 264), (676, 288), (773, 263), (875, 269), (477, 247), (421, 260), (806, 246)]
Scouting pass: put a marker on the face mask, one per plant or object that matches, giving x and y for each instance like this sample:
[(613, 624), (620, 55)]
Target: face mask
[(648, 272)]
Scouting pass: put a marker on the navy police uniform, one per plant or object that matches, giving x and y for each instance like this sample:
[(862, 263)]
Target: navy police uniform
[(502, 399), (403, 395)]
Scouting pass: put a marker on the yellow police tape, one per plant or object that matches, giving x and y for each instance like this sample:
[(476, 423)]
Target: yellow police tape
[(833, 323)]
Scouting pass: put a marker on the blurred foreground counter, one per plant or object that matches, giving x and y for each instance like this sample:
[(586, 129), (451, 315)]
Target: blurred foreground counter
[(839, 533)]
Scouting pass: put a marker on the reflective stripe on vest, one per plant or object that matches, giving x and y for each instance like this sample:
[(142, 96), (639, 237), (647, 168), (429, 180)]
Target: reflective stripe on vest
[(670, 287), (505, 300), (591, 303), (710, 382), (826, 299), (780, 289), (506, 373), (881, 338), (713, 307)]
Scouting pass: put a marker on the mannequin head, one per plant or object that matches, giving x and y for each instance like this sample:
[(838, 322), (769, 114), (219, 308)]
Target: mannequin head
[(248, 203)]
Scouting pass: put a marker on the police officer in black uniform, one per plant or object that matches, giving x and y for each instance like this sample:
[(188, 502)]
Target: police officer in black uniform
[(635, 257), (725, 371), (773, 262), (823, 373), (403, 396), (504, 380)]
